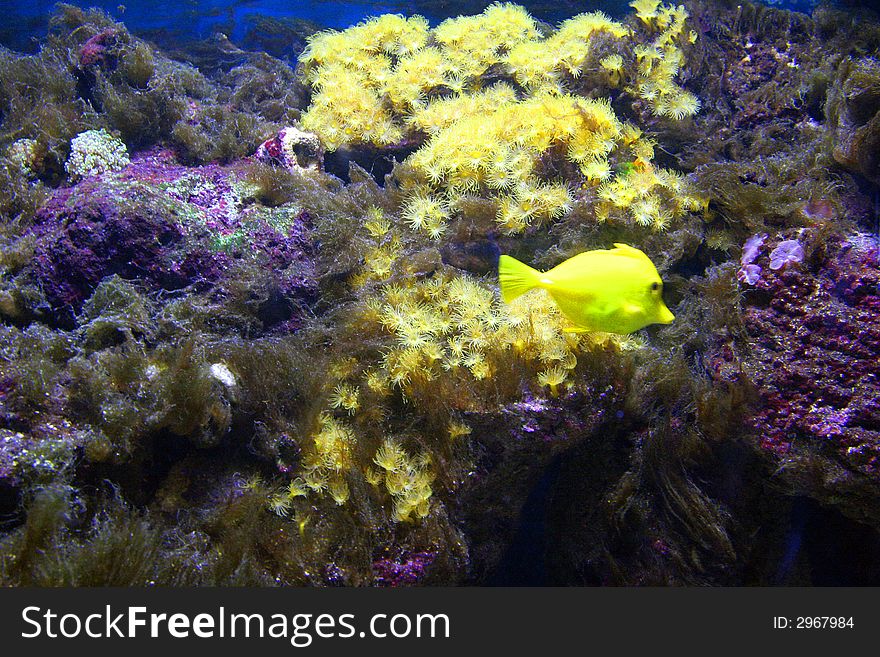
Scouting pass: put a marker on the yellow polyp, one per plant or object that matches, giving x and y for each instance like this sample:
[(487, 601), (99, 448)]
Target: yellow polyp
[(345, 397), (389, 78), (553, 378), (297, 488), (659, 62), (280, 504), (390, 456), (458, 430), (315, 480), (339, 491)]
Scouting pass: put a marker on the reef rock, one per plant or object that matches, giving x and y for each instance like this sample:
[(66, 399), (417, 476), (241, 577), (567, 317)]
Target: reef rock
[(292, 148), (815, 339), (853, 111), (170, 227)]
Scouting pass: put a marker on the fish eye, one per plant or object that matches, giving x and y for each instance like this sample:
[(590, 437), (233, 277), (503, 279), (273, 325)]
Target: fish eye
[(655, 286)]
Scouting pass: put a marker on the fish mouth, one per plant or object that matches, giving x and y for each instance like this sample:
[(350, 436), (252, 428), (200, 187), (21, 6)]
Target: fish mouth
[(664, 316)]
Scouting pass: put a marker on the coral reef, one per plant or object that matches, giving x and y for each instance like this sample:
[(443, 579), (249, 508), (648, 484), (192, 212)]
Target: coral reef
[(251, 331)]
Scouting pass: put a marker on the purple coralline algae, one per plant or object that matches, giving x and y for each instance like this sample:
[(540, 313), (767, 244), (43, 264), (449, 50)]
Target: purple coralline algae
[(167, 225), (750, 273), (787, 251), (815, 341), (100, 50), (406, 571), (85, 235)]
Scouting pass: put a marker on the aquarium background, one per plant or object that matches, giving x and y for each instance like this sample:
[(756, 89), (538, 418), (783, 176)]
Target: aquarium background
[(251, 329), (184, 21)]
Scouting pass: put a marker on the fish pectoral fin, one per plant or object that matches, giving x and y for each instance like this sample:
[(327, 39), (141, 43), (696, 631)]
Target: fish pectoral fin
[(632, 309)]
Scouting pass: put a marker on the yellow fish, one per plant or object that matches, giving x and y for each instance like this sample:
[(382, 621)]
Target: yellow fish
[(616, 290)]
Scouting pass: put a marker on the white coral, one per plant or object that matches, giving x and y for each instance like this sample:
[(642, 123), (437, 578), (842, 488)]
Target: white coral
[(23, 154), (94, 152)]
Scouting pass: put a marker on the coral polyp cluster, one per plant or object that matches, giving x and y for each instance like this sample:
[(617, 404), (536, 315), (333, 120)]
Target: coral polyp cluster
[(501, 111), (497, 151), (543, 64), (660, 61), (431, 347), (407, 480)]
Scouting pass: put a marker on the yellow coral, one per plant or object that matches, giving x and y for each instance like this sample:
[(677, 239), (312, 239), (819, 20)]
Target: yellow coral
[(466, 155), (345, 396), (450, 327), (297, 488), (280, 504), (315, 480), (553, 377), (339, 490), (614, 65), (392, 76), (390, 456), (428, 213), (660, 61), (678, 105), (645, 9), (376, 223)]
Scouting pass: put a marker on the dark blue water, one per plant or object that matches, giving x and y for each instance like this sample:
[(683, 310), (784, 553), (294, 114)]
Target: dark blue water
[(25, 21)]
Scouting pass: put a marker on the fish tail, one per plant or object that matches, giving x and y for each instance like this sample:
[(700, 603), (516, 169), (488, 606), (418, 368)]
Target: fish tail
[(516, 278)]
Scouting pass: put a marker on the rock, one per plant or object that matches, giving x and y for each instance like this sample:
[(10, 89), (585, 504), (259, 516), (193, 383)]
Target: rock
[(815, 340), (292, 148)]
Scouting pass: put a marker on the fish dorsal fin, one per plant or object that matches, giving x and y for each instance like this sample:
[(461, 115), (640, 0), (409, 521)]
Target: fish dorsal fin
[(629, 251)]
